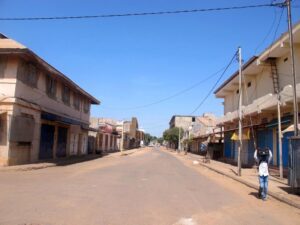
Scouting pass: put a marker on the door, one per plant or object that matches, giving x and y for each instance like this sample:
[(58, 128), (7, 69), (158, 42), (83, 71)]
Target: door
[(62, 138), (73, 144), (285, 149), (228, 145), (106, 142), (46, 141), (84, 144)]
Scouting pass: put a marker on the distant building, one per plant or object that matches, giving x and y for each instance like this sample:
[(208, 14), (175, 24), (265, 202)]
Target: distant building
[(103, 137), (182, 121), (193, 126), (43, 113), (132, 136)]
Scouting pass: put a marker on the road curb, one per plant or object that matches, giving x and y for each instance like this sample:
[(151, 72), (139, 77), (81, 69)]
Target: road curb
[(248, 184), (29, 168)]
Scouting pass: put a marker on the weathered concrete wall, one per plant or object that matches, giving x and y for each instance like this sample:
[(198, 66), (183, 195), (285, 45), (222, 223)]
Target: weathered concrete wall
[(54, 105), (8, 80), (183, 122), (22, 100), (262, 83)]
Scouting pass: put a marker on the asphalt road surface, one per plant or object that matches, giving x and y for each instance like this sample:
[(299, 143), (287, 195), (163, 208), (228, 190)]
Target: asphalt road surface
[(149, 187)]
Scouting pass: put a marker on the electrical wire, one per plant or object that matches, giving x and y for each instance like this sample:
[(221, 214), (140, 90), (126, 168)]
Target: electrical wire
[(172, 96), (268, 32), (245, 87), (214, 86), (141, 13)]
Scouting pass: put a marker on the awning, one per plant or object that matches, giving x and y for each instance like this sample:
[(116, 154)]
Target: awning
[(274, 122), (290, 129), (245, 135)]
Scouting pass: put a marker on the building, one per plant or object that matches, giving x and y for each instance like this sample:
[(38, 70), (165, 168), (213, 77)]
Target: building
[(182, 121), (130, 134), (103, 138), (267, 78), (140, 136), (193, 127), (43, 113), (204, 131)]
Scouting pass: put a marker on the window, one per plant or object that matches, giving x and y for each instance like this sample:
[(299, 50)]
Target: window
[(32, 76), (3, 63), (65, 95), (50, 86), (193, 119), (86, 106), (76, 101), (249, 84), (28, 74), (237, 91)]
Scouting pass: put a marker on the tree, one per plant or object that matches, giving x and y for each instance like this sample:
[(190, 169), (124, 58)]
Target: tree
[(160, 140), (149, 138), (171, 135)]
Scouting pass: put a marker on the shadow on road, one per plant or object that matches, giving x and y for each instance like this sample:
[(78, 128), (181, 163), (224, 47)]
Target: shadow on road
[(291, 190), (72, 160), (255, 194)]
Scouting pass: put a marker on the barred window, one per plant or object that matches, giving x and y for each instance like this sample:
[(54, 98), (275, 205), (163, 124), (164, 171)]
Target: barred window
[(86, 106), (66, 95), (28, 74), (3, 63), (76, 101), (50, 86)]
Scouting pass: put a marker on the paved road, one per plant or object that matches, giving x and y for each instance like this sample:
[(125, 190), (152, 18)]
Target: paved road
[(150, 187)]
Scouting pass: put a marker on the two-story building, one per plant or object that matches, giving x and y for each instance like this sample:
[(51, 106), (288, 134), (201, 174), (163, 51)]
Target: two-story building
[(266, 78), (104, 137), (43, 113)]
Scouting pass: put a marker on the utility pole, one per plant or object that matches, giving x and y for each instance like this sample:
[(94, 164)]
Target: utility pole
[(240, 147), (288, 4), (279, 137), (122, 140), (179, 147)]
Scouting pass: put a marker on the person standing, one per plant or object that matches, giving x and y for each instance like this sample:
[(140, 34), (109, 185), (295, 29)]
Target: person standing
[(263, 158)]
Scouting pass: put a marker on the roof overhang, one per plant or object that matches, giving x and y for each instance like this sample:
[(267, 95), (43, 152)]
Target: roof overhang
[(255, 64), (27, 53), (231, 84), (281, 46)]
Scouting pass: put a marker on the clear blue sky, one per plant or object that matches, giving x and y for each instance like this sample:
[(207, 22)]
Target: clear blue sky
[(131, 61)]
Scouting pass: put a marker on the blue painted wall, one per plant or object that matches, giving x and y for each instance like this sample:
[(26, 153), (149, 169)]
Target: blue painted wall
[(285, 149), (227, 145)]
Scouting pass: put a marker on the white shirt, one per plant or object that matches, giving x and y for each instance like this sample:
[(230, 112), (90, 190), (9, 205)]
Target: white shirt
[(263, 166)]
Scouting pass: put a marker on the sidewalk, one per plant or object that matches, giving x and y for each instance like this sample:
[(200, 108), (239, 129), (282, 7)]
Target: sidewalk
[(278, 189), (64, 161)]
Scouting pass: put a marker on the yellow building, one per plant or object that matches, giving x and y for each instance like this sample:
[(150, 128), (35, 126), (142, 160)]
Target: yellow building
[(43, 114)]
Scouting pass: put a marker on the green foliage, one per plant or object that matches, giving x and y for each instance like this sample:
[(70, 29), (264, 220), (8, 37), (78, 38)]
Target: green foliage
[(171, 135), (160, 140), (149, 138)]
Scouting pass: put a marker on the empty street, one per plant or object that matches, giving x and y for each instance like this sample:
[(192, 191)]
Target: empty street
[(149, 187)]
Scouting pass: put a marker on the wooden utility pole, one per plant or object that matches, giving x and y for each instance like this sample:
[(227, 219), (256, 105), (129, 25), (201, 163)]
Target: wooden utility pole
[(240, 147), (279, 137), (288, 4), (179, 145)]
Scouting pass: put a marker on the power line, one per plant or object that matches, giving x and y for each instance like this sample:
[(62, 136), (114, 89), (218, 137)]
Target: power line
[(214, 86), (140, 13), (268, 33), (174, 95)]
